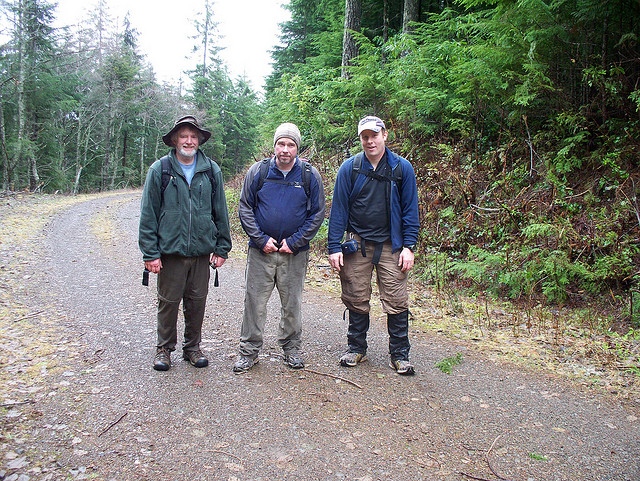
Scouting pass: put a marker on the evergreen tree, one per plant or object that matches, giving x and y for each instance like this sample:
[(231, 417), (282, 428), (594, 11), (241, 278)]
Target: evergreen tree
[(241, 135), (29, 60), (312, 39), (229, 111)]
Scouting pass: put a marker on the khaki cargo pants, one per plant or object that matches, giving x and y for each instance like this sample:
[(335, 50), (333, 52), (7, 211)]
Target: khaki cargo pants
[(355, 278)]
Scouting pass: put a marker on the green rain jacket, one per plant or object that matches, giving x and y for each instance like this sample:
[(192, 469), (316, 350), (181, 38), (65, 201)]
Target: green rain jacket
[(184, 223)]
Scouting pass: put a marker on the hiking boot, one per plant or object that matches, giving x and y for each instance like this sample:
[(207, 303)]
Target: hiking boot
[(402, 366), (293, 360), (244, 363), (195, 358), (351, 359), (162, 361)]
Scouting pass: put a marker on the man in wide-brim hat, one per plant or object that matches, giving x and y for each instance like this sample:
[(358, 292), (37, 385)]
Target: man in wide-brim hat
[(189, 120), (184, 228)]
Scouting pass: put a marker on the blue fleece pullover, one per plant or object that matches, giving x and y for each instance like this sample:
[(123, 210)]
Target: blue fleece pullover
[(279, 210)]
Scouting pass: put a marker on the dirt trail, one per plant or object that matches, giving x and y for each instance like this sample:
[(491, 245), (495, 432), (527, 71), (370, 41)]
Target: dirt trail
[(98, 410)]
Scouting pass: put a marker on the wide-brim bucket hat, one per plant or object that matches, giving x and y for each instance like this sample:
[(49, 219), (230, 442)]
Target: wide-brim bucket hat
[(186, 120)]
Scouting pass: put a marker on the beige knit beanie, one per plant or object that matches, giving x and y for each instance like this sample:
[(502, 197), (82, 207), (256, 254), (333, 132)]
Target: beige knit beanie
[(289, 131)]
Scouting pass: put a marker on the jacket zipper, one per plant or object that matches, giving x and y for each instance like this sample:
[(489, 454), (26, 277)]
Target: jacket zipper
[(189, 228)]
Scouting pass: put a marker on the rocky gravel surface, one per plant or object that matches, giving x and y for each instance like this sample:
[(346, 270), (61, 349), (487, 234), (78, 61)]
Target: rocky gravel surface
[(80, 399)]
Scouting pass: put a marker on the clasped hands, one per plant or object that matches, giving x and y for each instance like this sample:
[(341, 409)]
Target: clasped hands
[(274, 246)]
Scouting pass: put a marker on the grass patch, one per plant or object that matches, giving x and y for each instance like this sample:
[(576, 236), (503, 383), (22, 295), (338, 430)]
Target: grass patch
[(538, 457), (447, 364)]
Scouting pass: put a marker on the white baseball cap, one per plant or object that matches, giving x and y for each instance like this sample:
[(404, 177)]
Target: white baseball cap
[(370, 122)]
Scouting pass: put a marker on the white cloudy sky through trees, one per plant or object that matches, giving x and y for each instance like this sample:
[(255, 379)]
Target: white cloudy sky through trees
[(249, 30)]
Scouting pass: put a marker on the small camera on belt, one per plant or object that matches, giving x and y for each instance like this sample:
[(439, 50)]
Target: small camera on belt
[(349, 247)]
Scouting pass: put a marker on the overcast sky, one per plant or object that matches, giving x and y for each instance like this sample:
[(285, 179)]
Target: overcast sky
[(249, 29)]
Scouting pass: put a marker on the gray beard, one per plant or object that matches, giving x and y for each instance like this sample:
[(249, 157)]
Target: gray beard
[(186, 154)]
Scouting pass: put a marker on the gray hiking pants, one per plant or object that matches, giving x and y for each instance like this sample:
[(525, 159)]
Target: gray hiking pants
[(286, 272)]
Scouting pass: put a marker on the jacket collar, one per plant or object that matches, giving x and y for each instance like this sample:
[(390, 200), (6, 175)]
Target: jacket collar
[(201, 166)]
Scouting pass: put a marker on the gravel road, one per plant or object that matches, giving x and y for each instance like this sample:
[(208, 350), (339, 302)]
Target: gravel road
[(103, 413)]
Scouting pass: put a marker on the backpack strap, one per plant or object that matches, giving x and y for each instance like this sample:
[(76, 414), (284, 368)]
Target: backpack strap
[(356, 167), (167, 175), (305, 180), (264, 171), (212, 180), (396, 176), (214, 187)]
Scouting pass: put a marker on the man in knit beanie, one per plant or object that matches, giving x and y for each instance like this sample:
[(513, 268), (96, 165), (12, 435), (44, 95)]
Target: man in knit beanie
[(289, 131), (281, 208)]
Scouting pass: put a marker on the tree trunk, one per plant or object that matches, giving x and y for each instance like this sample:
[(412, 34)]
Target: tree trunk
[(104, 171), (20, 101), (33, 167), (411, 14), (603, 91), (3, 143), (114, 162), (155, 155), (385, 21), (352, 14), (143, 144), (124, 154), (76, 182)]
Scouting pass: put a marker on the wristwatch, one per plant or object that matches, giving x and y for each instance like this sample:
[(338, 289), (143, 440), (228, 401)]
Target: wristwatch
[(411, 247)]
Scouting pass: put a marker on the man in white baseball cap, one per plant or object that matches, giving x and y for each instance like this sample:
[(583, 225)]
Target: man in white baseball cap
[(375, 201), (372, 123)]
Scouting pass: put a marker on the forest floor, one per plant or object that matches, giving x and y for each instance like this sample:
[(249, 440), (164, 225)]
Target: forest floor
[(543, 396)]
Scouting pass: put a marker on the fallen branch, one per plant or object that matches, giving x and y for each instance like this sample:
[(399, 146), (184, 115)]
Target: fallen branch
[(333, 376), (95, 357), (223, 452), (18, 403), (431, 458), (486, 457), (28, 316), (89, 439), (473, 477), (487, 209), (112, 424)]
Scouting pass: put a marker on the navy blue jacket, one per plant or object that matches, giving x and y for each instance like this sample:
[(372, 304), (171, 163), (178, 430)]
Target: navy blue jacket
[(405, 223), (279, 210)]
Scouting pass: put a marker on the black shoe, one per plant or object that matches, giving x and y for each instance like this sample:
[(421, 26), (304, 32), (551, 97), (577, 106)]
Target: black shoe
[(195, 358), (293, 360), (162, 361)]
